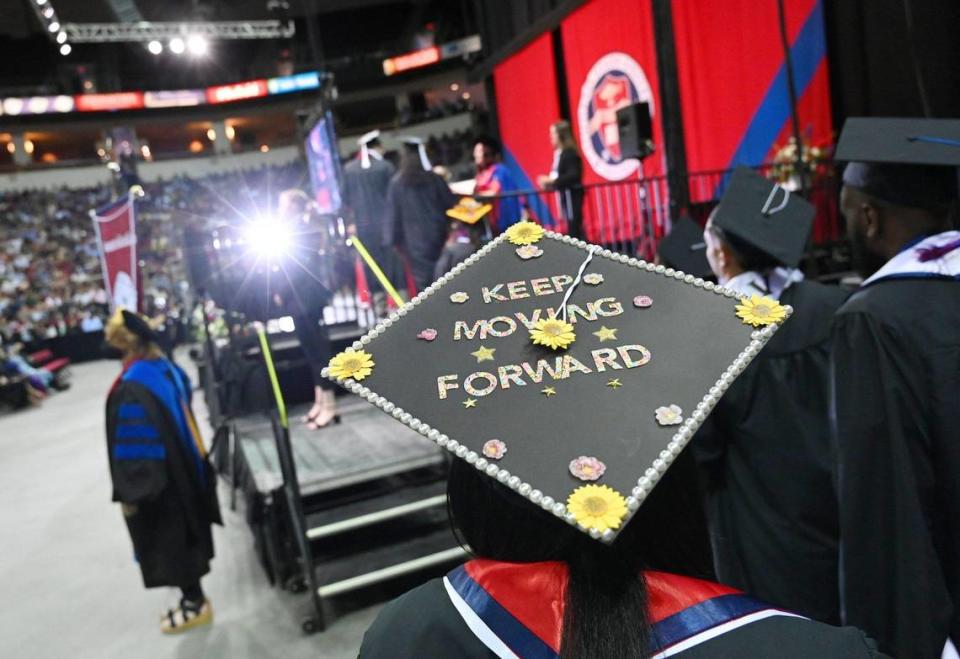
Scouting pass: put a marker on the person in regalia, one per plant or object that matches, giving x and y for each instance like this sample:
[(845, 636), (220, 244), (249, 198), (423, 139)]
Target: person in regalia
[(417, 202), (896, 386), (571, 484), (366, 179), (160, 473), (773, 537)]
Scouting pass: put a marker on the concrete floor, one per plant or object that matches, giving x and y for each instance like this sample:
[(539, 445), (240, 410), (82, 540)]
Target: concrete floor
[(68, 583)]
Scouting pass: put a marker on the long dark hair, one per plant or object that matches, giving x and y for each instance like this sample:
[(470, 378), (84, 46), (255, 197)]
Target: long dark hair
[(605, 608), (411, 169)]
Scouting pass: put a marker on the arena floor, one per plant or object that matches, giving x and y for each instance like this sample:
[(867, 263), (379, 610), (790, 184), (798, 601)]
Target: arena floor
[(69, 583)]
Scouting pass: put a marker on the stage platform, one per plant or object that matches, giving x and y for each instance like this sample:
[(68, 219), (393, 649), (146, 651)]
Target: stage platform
[(366, 445)]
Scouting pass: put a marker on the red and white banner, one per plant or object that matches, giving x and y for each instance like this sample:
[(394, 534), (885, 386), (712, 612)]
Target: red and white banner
[(115, 226)]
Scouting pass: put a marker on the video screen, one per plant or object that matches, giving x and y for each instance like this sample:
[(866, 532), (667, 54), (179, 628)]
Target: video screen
[(322, 159)]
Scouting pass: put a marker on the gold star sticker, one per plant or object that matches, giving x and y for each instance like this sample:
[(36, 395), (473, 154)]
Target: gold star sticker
[(549, 391), (605, 333), (614, 383), (470, 402), (484, 354)]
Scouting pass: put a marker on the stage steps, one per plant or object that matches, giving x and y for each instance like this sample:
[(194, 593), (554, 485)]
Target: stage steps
[(346, 514)]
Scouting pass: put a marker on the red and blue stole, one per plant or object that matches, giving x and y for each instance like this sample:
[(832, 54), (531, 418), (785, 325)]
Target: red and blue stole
[(516, 609), (171, 391)]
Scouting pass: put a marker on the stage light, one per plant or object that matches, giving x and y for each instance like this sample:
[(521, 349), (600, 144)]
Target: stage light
[(231, 133), (54, 26), (177, 46), (454, 87), (41, 3), (66, 49), (11, 147), (211, 134), (264, 148), (268, 237), (61, 37), (28, 146), (197, 45), (286, 324), (155, 47)]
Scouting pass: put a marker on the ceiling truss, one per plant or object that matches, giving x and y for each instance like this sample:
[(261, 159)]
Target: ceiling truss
[(145, 31)]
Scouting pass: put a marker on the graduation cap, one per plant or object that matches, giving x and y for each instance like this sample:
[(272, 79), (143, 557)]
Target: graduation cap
[(469, 211), (418, 145), (684, 249), (364, 143), (135, 324), (569, 373), (765, 216), (909, 162)]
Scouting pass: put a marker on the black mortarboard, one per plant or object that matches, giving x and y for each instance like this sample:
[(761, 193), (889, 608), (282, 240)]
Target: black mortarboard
[(585, 431), (139, 326), (909, 162), (684, 249), (417, 145), (766, 216)]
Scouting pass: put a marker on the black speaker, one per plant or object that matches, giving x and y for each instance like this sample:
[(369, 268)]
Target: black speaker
[(636, 131)]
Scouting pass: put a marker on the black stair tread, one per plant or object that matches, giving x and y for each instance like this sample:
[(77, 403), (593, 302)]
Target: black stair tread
[(383, 556), (381, 501)]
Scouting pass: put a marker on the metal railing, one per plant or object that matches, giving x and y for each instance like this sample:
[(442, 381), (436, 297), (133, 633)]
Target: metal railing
[(630, 217)]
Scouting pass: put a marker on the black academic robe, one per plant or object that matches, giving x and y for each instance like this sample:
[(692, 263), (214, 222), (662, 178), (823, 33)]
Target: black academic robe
[(153, 469), (365, 196), (765, 457), (569, 185), (896, 369), (434, 622), (416, 220)]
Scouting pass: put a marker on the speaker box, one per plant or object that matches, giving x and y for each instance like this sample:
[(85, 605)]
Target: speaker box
[(636, 131)]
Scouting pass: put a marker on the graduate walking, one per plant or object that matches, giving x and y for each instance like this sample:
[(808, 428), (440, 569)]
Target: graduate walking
[(161, 476)]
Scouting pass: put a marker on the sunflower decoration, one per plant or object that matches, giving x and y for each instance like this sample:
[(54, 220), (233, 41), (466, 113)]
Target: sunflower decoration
[(351, 363), (525, 233), (597, 507), (552, 333), (760, 310)]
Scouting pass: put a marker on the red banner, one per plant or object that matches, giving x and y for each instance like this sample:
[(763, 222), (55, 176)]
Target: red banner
[(115, 226), (524, 125), (733, 82), (611, 60)]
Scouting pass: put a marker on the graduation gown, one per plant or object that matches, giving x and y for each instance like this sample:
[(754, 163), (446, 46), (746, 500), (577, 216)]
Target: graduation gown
[(157, 465), (765, 456), (896, 397), (365, 195), (490, 609), (416, 220)]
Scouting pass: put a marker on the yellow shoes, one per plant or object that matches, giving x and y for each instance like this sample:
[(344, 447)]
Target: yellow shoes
[(183, 618)]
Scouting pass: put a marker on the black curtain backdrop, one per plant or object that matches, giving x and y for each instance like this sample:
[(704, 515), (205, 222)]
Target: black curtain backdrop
[(872, 67)]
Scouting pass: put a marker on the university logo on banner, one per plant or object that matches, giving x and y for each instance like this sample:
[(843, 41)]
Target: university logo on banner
[(115, 227), (614, 81)]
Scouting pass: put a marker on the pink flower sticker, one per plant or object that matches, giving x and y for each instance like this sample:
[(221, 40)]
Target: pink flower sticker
[(587, 468), (428, 334), (529, 252), (643, 301), (494, 449)]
